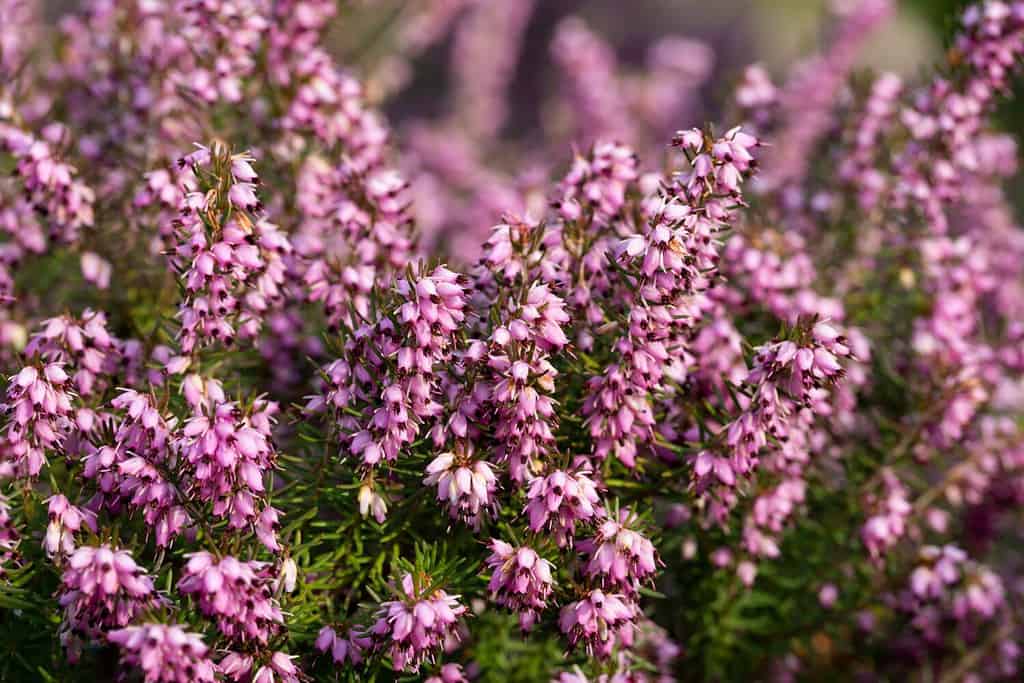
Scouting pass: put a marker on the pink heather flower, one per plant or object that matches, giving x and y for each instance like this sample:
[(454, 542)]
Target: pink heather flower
[(769, 515), (243, 195), (485, 52), (288, 575), (941, 567), (521, 580), (166, 654), (858, 167), (38, 408), (234, 272), (757, 96), (279, 668), (101, 588), (800, 368), (558, 501), (415, 626), (526, 410), (347, 248), (747, 572), (717, 166), (828, 595), (466, 487), (785, 376), (722, 557), (236, 666), (618, 415), (388, 373), (449, 673), (343, 648), (982, 596), (372, 502), (132, 471), (231, 451), (944, 117), (237, 594), (670, 263), (524, 379), (596, 184), (96, 269), (9, 536), (620, 558), (888, 524), (50, 184), (948, 586), (598, 620), (84, 346), (65, 521), (590, 66)]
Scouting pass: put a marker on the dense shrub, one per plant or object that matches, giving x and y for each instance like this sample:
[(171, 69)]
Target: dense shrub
[(287, 399)]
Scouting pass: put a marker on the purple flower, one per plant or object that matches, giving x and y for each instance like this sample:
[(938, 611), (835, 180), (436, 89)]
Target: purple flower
[(620, 558), (464, 485), (556, 502), (164, 653), (101, 588), (521, 580), (38, 409), (279, 668), (231, 265), (888, 524), (236, 594), (65, 520), (413, 627), (449, 673), (230, 452), (343, 648), (401, 361), (597, 620)]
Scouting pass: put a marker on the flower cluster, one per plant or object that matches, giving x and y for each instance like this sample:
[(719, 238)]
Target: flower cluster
[(101, 587), (597, 620), (414, 626), (619, 557), (237, 594), (38, 408), (230, 450), (164, 653), (560, 500), (467, 488), (232, 267), (65, 521), (679, 400), (522, 580)]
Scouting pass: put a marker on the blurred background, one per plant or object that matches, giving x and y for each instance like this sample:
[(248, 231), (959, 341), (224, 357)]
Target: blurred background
[(776, 33), (493, 89), (483, 96)]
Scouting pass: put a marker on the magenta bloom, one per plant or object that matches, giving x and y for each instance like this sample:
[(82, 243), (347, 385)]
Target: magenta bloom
[(231, 452), (620, 558), (238, 595), (65, 521), (521, 580), (166, 654), (38, 407), (558, 501), (465, 487), (343, 648), (101, 588), (597, 620), (412, 628)]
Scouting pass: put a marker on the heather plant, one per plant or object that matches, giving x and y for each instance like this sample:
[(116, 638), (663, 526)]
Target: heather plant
[(291, 396)]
